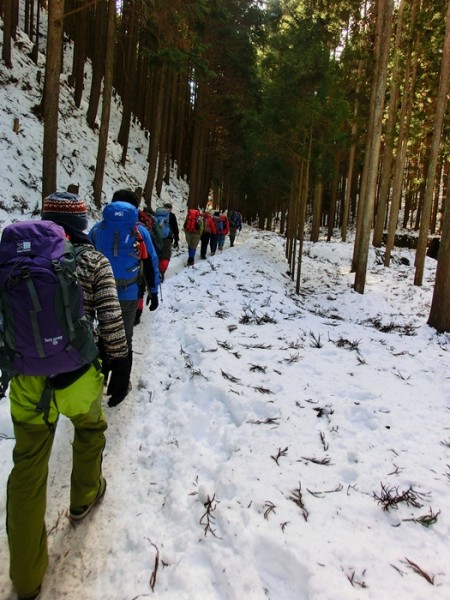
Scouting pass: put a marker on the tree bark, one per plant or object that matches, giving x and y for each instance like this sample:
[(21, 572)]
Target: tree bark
[(440, 305), (7, 33), (79, 53), (106, 104), (304, 187), (384, 26), (35, 50), (386, 168), (441, 104), (98, 62), (51, 97), (129, 40), (400, 157), (155, 136), (317, 212)]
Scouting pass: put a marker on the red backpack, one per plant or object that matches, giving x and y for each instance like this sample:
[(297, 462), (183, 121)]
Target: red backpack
[(193, 220)]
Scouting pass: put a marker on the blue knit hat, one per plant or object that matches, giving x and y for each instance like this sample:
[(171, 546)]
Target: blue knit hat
[(66, 208)]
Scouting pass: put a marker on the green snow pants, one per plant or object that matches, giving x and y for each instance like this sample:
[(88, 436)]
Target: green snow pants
[(27, 483)]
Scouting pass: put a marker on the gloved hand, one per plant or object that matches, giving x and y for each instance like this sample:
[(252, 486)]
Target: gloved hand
[(175, 244), (119, 381), (4, 382), (153, 300)]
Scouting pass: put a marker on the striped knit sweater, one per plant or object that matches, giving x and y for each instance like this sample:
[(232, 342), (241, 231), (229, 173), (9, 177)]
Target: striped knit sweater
[(101, 304)]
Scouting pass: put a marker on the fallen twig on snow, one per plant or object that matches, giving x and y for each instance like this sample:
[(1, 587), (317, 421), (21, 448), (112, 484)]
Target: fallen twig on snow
[(279, 455), (324, 442), (257, 346), (230, 377), (354, 581), (207, 519), (297, 497), (262, 390), (270, 508), (268, 421), (317, 461), (257, 368), (390, 497), (155, 567), (415, 567), (426, 520), (315, 340)]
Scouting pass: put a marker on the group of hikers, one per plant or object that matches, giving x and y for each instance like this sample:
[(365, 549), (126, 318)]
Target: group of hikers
[(52, 360), (210, 230)]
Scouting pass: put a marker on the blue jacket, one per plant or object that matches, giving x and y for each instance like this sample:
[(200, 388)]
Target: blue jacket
[(118, 237)]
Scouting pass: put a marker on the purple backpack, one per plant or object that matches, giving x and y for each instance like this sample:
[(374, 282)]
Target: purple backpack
[(43, 327)]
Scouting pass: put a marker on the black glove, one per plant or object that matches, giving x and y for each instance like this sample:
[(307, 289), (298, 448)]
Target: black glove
[(153, 300), (175, 244), (4, 382), (119, 380)]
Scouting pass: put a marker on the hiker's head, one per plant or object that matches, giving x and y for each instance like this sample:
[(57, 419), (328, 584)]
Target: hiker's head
[(126, 195), (67, 209), (168, 205)]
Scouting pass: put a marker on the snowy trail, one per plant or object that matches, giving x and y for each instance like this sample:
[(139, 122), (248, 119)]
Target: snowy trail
[(247, 456)]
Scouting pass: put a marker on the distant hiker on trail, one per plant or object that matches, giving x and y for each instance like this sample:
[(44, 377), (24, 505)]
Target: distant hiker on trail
[(193, 229), (129, 247), (235, 220), (224, 230), (168, 226), (49, 388), (209, 229), (214, 239), (147, 218)]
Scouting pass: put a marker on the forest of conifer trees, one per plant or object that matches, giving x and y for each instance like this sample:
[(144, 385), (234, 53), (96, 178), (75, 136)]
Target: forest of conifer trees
[(312, 116)]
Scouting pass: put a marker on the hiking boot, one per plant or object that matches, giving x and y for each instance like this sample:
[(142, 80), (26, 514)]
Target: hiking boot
[(190, 261), (34, 596), (77, 514), (115, 400)]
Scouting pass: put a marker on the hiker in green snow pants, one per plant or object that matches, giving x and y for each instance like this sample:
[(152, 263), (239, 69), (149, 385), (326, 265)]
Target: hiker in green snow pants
[(27, 484)]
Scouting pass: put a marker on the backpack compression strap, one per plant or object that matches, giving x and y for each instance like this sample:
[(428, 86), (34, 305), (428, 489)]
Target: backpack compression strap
[(141, 255), (37, 307), (65, 295)]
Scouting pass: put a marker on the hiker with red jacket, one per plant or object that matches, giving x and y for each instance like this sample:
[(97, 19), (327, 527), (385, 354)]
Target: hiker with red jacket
[(193, 229), (224, 230), (77, 394), (214, 239), (209, 230)]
